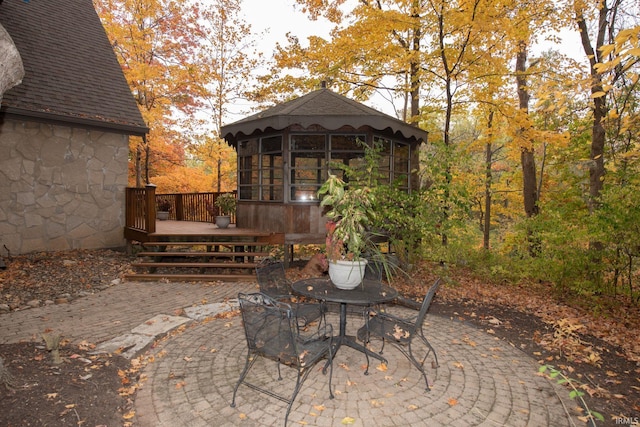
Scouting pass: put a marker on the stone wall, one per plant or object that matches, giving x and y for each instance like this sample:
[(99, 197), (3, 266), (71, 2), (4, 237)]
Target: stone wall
[(60, 187)]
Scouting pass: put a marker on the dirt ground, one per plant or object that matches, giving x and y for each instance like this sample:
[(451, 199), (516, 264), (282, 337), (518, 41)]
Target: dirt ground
[(601, 354)]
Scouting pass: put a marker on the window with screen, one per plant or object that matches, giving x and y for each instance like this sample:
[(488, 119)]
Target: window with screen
[(261, 169), (308, 165), (347, 150), (401, 165), (261, 164)]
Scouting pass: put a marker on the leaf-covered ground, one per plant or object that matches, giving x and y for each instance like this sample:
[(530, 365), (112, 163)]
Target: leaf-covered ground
[(81, 391), (602, 353)]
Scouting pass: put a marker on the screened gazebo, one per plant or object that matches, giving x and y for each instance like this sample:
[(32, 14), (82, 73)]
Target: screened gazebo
[(284, 155)]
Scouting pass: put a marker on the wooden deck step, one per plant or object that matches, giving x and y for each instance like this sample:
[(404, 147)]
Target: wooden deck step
[(160, 254), (208, 243), (232, 256), (191, 277), (245, 265)]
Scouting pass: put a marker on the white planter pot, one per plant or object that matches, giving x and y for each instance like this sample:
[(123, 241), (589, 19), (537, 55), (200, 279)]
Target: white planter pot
[(223, 221), (347, 274), (162, 215)]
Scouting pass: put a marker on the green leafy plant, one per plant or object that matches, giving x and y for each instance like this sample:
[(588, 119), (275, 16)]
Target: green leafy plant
[(350, 214), (575, 392), (226, 203), (164, 205)]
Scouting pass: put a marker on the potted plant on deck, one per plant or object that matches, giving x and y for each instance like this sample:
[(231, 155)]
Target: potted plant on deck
[(350, 214), (226, 205), (164, 207)]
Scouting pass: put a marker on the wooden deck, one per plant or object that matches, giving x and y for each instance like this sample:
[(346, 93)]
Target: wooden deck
[(196, 251), (209, 231), (202, 231)]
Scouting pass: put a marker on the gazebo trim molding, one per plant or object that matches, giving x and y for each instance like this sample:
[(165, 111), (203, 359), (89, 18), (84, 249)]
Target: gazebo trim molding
[(324, 108)]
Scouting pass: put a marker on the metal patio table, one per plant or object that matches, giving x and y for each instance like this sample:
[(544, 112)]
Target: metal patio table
[(368, 293)]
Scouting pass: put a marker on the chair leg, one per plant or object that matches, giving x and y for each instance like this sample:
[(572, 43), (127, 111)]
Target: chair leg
[(435, 355), (366, 371), (331, 396), (293, 398), (427, 344), (419, 366), (302, 376), (247, 365)]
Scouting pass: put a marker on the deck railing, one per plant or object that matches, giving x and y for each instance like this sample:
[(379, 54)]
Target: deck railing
[(141, 207)]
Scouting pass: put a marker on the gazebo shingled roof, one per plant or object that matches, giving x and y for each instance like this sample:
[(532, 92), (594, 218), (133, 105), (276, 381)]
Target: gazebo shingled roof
[(324, 108)]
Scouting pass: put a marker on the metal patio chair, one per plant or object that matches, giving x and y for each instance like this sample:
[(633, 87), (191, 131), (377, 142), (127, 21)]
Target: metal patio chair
[(401, 332), (273, 282), (272, 332)]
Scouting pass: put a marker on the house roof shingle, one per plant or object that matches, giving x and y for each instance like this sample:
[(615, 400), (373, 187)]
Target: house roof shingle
[(71, 72), (325, 108)]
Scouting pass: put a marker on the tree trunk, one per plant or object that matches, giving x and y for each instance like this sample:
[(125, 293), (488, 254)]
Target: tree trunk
[(139, 166), (487, 188), (529, 182), (596, 168), (527, 155), (447, 121), (415, 69)]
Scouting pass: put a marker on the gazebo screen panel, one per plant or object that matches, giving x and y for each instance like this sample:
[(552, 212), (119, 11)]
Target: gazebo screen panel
[(261, 169), (308, 159), (384, 145), (401, 164), (347, 150), (271, 169), (248, 169)]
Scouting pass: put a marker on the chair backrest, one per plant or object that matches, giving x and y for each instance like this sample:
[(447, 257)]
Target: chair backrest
[(373, 270), (272, 279), (269, 327), (426, 303)]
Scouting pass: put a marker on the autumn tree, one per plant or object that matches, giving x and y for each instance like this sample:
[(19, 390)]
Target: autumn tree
[(378, 51), (600, 24), (150, 39), (185, 63)]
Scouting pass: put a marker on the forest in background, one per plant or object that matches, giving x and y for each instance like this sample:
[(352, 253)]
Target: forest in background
[(531, 168)]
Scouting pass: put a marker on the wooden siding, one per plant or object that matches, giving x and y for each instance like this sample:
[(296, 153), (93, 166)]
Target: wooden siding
[(300, 223)]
